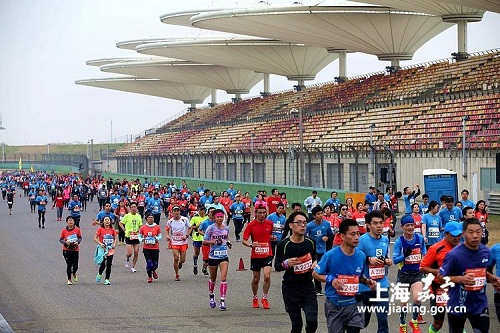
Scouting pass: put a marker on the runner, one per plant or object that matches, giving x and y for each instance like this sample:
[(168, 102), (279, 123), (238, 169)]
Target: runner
[(131, 223), (432, 225), (177, 232), (237, 209), (376, 248), (105, 237), (430, 265), (196, 236), (70, 239), (466, 266), (408, 251), (296, 255), (32, 199), (150, 234), (341, 269), (75, 206), (495, 261), (260, 230), (217, 237), (41, 201), (279, 221), (59, 205), (10, 199)]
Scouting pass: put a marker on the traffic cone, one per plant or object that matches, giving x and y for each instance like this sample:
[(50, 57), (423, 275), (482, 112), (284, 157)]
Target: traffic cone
[(241, 266)]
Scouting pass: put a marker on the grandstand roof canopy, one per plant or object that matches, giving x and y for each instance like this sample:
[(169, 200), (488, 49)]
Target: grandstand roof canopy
[(232, 80), (295, 61), (489, 5), (386, 32), (434, 7), (188, 93), (106, 61), (132, 44)]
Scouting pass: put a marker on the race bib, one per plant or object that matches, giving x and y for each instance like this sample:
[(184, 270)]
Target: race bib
[(220, 253), (133, 236), (434, 232), (150, 240), (108, 240), (376, 271), (43, 202), (361, 222), (76, 209), (178, 237), (262, 250), (414, 258), (141, 203), (156, 209), (304, 265), (351, 285), (72, 239), (441, 297), (479, 278)]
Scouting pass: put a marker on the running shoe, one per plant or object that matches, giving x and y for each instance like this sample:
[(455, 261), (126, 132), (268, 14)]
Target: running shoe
[(195, 270), (255, 303), (319, 293), (39, 226), (133, 270), (204, 270), (177, 278), (212, 302), (421, 319), (106, 282), (265, 303), (150, 280), (222, 305), (155, 275), (70, 283), (403, 328), (127, 263), (414, 326), (180, 265), (98, 278), (43, 226), (75, 278)]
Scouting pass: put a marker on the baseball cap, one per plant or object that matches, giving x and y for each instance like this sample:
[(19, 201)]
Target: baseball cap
[(176, 207), (407, 219), (454, 228), (148, 214)]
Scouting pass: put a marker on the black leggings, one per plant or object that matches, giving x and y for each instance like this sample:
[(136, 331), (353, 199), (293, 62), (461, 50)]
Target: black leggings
[(71, 258), (246, 218), (84, 203), (41, 217), (317, 284), (151, 257), (295, 303), (479, 322), (106, 264), (238, 226), (121, 235)]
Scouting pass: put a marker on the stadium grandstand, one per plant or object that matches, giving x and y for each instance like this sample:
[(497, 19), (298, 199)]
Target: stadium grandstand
[(379, 129)]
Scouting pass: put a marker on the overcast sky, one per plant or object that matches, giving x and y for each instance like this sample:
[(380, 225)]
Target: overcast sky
[(45, 44)]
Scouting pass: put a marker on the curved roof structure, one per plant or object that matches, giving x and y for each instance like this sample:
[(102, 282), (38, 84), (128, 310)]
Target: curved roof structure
[(232, 80), (107, 61), (435, 7), (132, 44), (489, 5), (386, 32), (295, 61), (188, 93)]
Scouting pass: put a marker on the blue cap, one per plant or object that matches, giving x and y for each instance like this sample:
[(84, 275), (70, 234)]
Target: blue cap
[(407, 219), (454, 228)]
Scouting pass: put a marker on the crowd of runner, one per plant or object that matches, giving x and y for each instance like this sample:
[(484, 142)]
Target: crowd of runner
[(332, 249)]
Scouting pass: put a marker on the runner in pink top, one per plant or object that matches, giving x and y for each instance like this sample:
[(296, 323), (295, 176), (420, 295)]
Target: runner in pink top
[(177, 232)]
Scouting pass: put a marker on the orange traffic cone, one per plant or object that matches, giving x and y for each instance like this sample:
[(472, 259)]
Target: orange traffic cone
[(241, 266)]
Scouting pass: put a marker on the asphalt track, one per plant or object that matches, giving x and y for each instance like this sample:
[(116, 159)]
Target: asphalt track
[(34, 296)]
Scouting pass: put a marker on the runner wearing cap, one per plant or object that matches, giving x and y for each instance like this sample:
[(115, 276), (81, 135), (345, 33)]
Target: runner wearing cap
[(408, 251), (430, 264), (196, 236), (177, 232), (466, 266), (217, 237), (131, 223), (150, 234), (260, 230)]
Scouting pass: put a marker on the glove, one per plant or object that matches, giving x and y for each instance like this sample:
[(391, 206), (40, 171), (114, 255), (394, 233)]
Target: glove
[(407, 252)]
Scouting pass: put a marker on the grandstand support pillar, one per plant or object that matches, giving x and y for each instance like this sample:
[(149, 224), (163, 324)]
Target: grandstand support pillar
[(273, 156), (373, 162), (462, 21), (395, 63), (343, 64), (321, 166), (266, 84), (464, 147), (356, 167), (307, 181), (284, 165), (226, 165), (252, 165), (213, 98), (206, 166), (462, 36), (391, 165), (339, 172)]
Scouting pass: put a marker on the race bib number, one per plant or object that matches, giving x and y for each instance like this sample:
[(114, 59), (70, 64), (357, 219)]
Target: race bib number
[(76, 209), (238, 212), (156, 209), (433, 232), (376, 271), (10, 202), (262, 249), (441, 297), (304, 265), (178, 237), (150, 240), (351, 285), (133, 236), (141, 204), (361, 222), (479, 278), (414, 258), (220, 253), (108, 240), (43, 202), (72, 238)]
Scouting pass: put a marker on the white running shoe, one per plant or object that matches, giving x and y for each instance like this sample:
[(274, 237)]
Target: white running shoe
[(127, 263), (133, 270)]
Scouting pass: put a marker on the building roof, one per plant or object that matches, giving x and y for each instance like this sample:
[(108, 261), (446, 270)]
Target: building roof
[(434, 7), (386, 32), (489, 5), (232, 80), (188, 93), (295, 61)]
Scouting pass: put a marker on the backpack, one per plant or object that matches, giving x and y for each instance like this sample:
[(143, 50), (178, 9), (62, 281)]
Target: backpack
[(100, 254)]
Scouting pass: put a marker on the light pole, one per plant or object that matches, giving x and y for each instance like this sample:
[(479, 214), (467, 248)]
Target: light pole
[(464, 147), (372, 155), (213, 157), (107, 158), (48, 148), (302, 171)]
